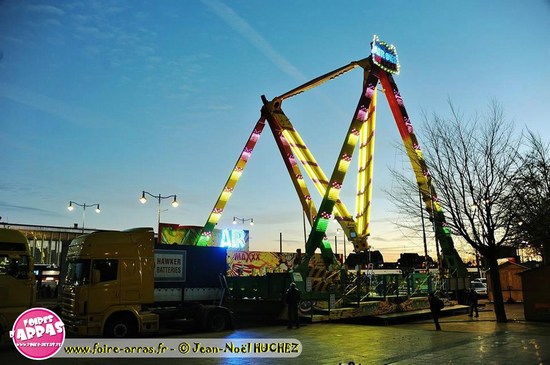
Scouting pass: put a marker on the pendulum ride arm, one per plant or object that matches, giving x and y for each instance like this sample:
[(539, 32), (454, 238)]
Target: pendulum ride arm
[(364, 179), (423, 178), (293, 148), (286, 136), (376, 68), (215, 215), (324, 78), (284, 145), (331, 196), (291, 144), (305, 198)]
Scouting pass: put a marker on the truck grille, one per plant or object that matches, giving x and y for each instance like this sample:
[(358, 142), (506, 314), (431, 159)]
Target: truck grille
[(68, 307)]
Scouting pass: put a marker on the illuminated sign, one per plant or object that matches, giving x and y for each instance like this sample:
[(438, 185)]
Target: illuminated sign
[(236, 239), (232, 239), (384, 55)]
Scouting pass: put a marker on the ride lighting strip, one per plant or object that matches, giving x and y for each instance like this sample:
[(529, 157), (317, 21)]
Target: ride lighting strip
[(379, 66), (296, 175), (306, 158), (314, 171), (422, 174), (332, 194), (291, 164), (319, 179), (215, 215), (365, 172)]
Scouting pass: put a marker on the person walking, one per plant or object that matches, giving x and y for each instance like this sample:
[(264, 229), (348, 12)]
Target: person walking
[(472, 300), (436, 305), (292, 298)]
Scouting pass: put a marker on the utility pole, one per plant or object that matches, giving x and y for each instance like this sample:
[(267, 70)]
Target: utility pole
[(423, 227)]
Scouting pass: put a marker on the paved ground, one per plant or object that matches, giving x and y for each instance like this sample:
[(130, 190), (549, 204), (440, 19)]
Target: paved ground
[(463, 340)]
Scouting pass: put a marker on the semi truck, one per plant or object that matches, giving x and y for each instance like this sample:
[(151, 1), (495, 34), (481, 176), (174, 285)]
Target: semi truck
[(17, 283), (122, 284)]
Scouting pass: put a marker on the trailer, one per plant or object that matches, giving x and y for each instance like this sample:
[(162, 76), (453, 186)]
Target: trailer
[(120, 284)]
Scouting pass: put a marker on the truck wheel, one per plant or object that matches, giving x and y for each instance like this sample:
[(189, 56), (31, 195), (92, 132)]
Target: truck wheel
[(217, 321), (121, 326)]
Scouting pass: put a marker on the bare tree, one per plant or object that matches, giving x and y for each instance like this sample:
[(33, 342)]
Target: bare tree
[(532, 197), (473, 163)]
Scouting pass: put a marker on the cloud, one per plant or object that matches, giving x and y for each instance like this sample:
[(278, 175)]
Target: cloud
[(53, 22), (383, 239), (45, 9), (29, 209), (244, 29), (12, 39), (220, 107), (51, 106)]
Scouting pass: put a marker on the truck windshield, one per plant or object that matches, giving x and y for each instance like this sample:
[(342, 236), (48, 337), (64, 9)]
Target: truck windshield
[(18, 267), (78, 272)]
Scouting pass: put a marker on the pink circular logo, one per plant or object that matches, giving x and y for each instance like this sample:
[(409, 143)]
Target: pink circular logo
[(38, 333)]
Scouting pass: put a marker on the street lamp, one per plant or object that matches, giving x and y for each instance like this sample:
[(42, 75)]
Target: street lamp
[(243, 221), (84, 206), (159, 197), (338, 230)]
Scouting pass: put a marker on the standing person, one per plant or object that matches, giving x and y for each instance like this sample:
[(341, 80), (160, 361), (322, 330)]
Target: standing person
[(292, 298), (436, 305), (472, 300)]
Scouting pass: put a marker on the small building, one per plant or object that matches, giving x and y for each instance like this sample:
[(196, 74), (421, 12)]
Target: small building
[(48, 244), (536, 293), (510, 282)]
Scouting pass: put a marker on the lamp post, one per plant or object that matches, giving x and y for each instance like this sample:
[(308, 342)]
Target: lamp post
[(310, 208), (423, 227), (243, 220), (159, 197), (338, 230), (84, 206)]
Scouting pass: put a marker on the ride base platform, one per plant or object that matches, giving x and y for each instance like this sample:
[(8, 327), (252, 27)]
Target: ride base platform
[(383, 311)]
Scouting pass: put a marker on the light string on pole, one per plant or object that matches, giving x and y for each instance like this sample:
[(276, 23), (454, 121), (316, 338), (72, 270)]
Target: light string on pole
[(159, 198), (243, 220), (84, 206)]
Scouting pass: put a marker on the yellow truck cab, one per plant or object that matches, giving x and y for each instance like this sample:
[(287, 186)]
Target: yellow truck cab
[(120, 284), (17, 283)]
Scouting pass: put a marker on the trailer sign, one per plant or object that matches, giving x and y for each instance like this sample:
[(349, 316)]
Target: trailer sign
[(170, 265)]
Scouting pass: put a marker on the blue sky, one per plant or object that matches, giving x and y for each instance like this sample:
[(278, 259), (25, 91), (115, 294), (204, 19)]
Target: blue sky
[(100, 100)]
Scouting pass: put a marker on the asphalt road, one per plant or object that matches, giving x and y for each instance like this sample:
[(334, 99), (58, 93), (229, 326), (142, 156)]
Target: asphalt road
[(463, 340)]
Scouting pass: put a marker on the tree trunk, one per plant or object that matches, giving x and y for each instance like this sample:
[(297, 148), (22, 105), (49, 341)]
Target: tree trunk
[(496, 287)]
